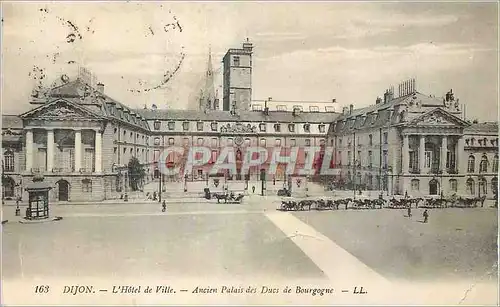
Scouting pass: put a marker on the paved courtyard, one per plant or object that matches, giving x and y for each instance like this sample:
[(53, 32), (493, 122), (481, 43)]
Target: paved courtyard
[(252, 241)]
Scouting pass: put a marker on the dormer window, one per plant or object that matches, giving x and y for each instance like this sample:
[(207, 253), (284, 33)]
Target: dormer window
[(281, 108), (313, 109), (171, 125), (199, 126), (262, 127), (291, 127), (307, 128), (157, 125), (185, 126), (298, 108), (277, 127), (321, 128)]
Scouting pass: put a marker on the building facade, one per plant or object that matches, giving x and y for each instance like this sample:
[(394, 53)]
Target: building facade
[(415, 144), (82, 140)]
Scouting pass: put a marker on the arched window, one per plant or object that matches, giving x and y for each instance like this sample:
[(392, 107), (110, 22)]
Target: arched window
[(433, 187), (470, 187), (471, 164), (483, 165), (494, 185), (415, 185), (495, 164), (87, 185), (453, 185), (8, 161), (483, 186)]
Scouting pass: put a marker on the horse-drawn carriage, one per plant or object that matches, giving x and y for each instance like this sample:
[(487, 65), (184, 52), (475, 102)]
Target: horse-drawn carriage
[(229, 198)]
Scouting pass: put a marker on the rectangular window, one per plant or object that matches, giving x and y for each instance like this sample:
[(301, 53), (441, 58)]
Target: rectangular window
[(385, 161), (87, 186), (214, 142), (415, 185), (171, 125), (359, 158), (385, 137), (370, 140), (199, 126), (9, 161), (185, 126), (291, 127), (262, 127), (278, 142), (263, 142), (321, 128), (313, 109), (277, 127), (200, 173), (200, 141), (307, 128), (157, 141), (349, 158), (370, 158), (156, 155), (214, 126), (308, 142), (248, 142), (229, 142), (171, 141), (428, 159), (293, 142), (236, 61), (214, 156)]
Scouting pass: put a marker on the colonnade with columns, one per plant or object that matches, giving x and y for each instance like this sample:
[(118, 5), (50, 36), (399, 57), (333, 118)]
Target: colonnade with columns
[(51, 148), (459, 151)]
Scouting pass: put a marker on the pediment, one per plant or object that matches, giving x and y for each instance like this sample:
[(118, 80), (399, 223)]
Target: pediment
[(61, 109), (438, 117)]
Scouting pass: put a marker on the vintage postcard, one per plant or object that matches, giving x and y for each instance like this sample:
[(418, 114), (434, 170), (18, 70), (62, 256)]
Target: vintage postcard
[(249, 153)]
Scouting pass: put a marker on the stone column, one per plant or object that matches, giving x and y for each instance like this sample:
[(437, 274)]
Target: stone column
[(444, 150), (78, 150), (50, 150), (29, 150), (98, 151), (421, 154), (406, 149), (461, 159)]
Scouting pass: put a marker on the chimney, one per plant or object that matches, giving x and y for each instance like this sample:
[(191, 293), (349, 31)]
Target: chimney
[(379, 100), (100, 88), (351, 107), (386, 96)]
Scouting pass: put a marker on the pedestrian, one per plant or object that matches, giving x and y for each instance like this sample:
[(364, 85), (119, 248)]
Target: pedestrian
[(409, 211), (164, 206), (426, 216), (253, 189)]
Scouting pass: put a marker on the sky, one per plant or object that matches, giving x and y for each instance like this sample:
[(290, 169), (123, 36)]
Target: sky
[(302, 50)]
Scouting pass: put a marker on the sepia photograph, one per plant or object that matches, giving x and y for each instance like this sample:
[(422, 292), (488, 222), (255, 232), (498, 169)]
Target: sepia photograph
[(249, 153)]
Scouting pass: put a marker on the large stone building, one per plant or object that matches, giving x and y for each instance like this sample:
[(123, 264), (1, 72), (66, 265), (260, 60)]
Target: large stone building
[(415, 144), (81, 139)]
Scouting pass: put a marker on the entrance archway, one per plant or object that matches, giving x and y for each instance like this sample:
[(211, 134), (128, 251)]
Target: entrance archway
[(433, 187), (62, 190)]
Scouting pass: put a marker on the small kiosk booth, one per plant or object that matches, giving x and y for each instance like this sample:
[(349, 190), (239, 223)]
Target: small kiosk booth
[(38, 205)]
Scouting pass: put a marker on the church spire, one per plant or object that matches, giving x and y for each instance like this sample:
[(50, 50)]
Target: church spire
[(207, 97)]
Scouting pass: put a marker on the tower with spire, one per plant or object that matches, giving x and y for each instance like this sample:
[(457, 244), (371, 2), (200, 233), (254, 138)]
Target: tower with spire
[(208, 99)]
